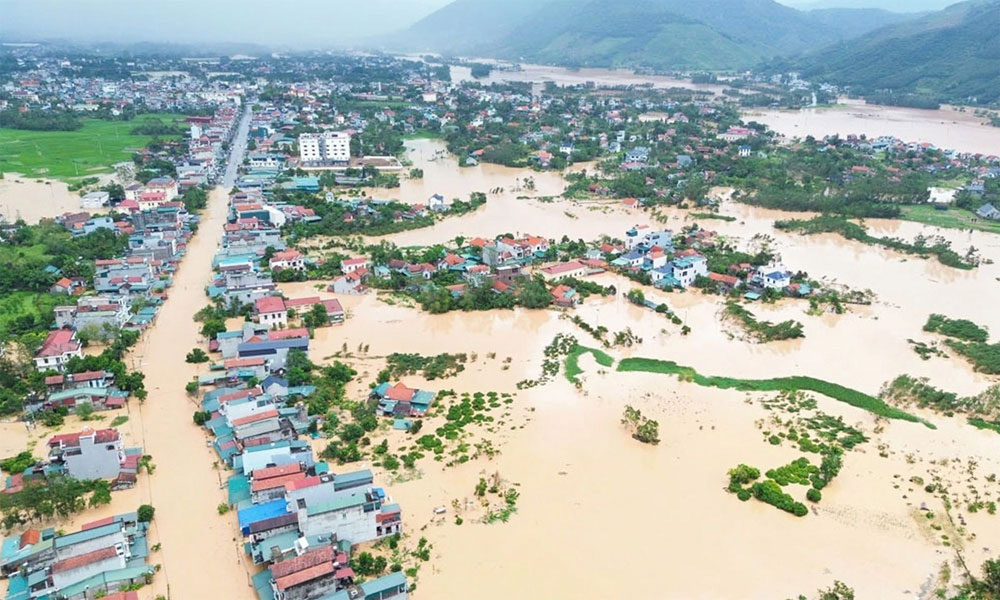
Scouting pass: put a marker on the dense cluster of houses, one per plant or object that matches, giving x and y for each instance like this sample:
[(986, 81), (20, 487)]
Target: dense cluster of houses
[(297, 517), (60, 82), (99, 561), (125, 294), (295, 514), (106, 555), (650, 251)]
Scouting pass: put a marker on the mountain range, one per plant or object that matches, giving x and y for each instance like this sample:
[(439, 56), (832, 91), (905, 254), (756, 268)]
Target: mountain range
[(950, 55), (662, 34)]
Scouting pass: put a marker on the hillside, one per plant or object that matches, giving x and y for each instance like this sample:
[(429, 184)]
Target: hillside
[(852, 22), (952, 55), (663, 34)]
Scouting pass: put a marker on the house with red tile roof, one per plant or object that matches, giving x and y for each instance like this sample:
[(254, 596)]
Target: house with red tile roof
[(349, 265), (288, 259), (334, 310), (270, 311), (351, 283), (78, 568), (572, 268), (565, 296), (60, 346), (309, 575), (401, 400)]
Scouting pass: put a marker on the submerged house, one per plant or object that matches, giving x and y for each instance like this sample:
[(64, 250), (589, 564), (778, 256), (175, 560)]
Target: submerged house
[(400, 400), (91, 454)]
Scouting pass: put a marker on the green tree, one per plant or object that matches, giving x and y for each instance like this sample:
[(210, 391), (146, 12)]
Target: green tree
[(145, 513), (534, 294), (196, 355), (298, 368)]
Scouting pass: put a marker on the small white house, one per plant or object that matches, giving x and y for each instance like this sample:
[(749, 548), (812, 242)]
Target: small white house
[(95, 199), (436, 203)]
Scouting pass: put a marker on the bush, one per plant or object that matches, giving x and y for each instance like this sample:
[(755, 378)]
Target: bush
[(957, 328), (770, 492), (741, 475), (145, 513), (196, 356), (201, 417), (743, 495), (222, 508), (814, 495)]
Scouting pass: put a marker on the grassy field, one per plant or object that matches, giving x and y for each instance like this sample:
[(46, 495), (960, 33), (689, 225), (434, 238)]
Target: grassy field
[(953, 218), (984, 424), (69, 154), (16, 304), (573, 361), (777, 384)]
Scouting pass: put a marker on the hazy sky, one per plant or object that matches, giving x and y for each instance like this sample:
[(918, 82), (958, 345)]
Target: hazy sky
[(298, 24), (301, 23)]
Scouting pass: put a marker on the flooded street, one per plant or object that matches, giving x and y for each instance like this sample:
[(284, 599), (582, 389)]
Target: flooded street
[(946, 128), (590, 495), (201, 557)]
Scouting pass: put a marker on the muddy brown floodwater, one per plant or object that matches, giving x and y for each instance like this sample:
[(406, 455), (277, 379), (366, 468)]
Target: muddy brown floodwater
[(948, 127), (658, 517), (36, 199), (200, 556)]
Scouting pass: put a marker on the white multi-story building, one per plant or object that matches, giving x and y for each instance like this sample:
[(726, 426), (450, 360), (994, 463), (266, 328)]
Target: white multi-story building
[(326, 147)]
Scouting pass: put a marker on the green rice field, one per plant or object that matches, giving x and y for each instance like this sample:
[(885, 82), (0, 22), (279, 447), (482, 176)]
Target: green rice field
[(67, 155)]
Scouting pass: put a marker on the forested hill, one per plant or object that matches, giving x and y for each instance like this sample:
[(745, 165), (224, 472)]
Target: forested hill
[(662, 34), (950, 56)]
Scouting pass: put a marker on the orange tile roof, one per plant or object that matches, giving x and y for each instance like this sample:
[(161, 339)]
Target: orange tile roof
[(83, 560), (261, 416)]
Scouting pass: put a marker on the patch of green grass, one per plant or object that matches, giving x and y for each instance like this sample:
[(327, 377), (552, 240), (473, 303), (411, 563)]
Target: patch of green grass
[(953, 218), (709, 215), (19, 304), (980, 423), (573, 361), (775, 384), (70, 154)]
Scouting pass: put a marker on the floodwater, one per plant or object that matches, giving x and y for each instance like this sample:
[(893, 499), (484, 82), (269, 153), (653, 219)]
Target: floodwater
[(947, 127), (36, 199), (514, 209), (590, 496), (587, 488), (200, 556), (599, 77)]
